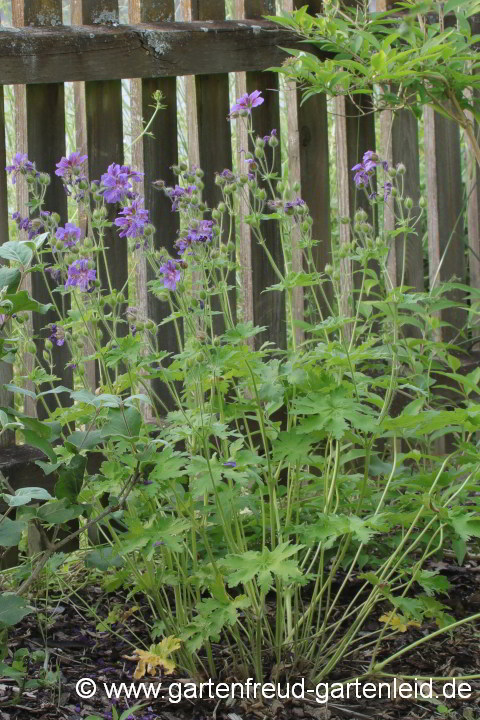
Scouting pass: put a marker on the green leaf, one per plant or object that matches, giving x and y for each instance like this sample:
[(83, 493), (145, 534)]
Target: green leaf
[(103, 558), (21, 301), (16, 251), (25, 495), (59, 512), (13, 609), (264, 565), (85, 440), (70, 479), (11, 532), (124, 423), (20, 390), (32, 438), (10, 278)]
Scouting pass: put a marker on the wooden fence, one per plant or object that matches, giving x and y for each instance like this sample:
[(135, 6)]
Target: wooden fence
[(40, 54)]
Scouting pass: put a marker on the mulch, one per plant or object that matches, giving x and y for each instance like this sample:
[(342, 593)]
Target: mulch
[(78, 647)]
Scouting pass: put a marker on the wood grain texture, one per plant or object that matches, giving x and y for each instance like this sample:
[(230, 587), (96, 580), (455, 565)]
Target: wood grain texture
[(6, 398), (209, 113), (354, 134), (165, 49), (445, 212), (41, 132), (473, 214), (268, 307), (399, 144), (155, 156), (309, 165)]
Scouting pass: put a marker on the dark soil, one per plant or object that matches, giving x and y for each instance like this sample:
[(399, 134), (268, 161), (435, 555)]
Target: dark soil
[(79, 648)]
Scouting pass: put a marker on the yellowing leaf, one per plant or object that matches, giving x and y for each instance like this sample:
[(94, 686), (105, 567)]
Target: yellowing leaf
[(157, 656), (398, 622)]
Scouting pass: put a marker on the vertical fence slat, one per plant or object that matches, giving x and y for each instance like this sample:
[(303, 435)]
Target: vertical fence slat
[(155, 156), (104, 123), (41, 132), (399, 144), (354, 134), (209, 113), (6, 398), (309, 165), (268, 307), (445, 211), (473, 213)]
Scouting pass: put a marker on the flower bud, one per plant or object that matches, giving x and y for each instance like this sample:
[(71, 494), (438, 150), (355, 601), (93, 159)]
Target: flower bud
[(48, 344), (87, 243), (221, 207), (259, 152), (259, 142), (305, 226), (231, 247), (200, 185), (44, 179), (199, 172), (220, 180), (55, 218), (150, 325), (120, 297), (202, 294), (261, 194), (46, 356), (422, 202), (296, 187), (59, 245), (31, 347), (243, 179), (83, 185), (345, 220), (328, 269), (273, 141), (30, 179), (360, 216), (401, 169), (216, 215), (280, 187), (408, 202), (230, 188)]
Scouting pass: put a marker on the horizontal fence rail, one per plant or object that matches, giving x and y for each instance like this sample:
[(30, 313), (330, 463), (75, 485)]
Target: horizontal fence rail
[(40, 54), (94, 52)]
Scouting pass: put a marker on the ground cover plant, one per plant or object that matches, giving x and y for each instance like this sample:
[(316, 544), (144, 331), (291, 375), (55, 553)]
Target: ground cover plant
[(243, 511)]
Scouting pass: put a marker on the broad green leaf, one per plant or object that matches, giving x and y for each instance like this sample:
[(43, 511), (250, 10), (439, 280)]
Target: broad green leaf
[(122, 423), (11, 532), (70, 479), (25, 495), (13, 609), (9, 278), (16, 251)]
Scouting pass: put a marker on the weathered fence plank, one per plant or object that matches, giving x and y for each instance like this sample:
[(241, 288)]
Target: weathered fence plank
[(399, 144), (61, 54), (208, 112), (6, 398), (268, 307), (445, 212), (104, 123), (41, 121), (354, 134), (154, 155), (309, 165)]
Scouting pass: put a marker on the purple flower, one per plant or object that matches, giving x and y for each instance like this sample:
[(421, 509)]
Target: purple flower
[(21, 166), (70, 234), (23, 223), (54, 273), (230, 463), (116, 182), (69, 166), (289, 207), (366, 168), (246, 103), (171, 274), (134, 219), (387, 189), (266, 138), (199, 232), (81, 275), (178, 192), (57, 336)]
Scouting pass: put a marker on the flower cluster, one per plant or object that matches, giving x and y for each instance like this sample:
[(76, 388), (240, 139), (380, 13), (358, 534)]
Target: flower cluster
[(71, 171), (132, 219), (32, 227), (116, 183), (366, 169), (171, 274), (57, 336), (69, 235), (244, 105), (179, 193), (81, 275), (21, 166), (199, 232)]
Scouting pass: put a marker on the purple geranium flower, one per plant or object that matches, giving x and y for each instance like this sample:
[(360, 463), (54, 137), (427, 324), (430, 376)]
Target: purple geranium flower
[(116, 182), (247, 102), (54, 273), (21, 165), (366, 168), (70, 234), (171, 274), (134, 219), (178, 192), (69, 166), (81, 275), (230, 463), (290, 206), (387, 189), (57, 336)]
